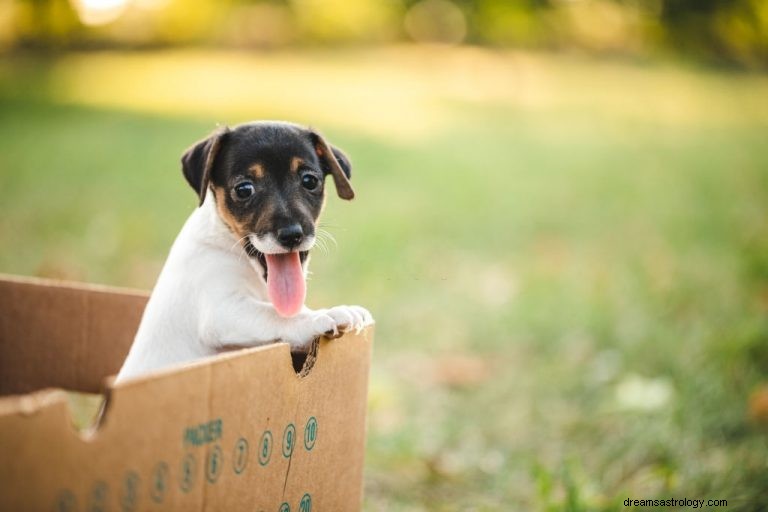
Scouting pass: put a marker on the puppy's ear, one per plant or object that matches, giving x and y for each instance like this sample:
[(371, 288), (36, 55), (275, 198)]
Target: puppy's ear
[(198, 160), (336, 164), (343, 161)]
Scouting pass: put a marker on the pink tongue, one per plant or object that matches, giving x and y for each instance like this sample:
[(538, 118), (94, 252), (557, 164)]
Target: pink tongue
[(285, 283)]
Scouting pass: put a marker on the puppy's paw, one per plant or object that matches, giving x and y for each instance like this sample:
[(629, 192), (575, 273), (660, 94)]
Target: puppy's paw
[(350, 318), (331, 323), (323, 324)]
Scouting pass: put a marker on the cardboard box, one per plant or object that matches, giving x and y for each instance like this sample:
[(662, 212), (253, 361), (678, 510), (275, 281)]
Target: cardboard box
[(240, 431)]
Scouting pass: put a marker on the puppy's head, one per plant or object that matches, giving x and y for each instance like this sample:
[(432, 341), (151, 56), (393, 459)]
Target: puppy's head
[(268, 182)]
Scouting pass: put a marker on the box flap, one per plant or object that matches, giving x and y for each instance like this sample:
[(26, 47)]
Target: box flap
[(55, 334)]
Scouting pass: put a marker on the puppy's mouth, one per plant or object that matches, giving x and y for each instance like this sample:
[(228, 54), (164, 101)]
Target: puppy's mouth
[(284, 275)]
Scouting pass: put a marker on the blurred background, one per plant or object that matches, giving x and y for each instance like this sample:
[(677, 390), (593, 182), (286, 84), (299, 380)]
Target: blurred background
[(561, 224)]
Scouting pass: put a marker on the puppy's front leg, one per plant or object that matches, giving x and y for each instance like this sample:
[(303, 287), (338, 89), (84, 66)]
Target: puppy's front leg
[(245, 321)]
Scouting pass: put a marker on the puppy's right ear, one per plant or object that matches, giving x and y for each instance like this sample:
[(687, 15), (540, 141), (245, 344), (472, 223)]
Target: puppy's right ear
[(197, 162)]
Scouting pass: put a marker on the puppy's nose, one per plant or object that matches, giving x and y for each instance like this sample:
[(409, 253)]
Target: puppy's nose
[(290, 236)]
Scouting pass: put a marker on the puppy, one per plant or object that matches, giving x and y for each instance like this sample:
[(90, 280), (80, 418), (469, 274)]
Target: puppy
[(235, 276)]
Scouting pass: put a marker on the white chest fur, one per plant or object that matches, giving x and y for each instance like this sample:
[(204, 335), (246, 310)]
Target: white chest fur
[(210, 295)]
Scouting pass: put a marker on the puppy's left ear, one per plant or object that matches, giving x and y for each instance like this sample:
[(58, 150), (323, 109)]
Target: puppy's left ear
[(335, 163), (197, 162)]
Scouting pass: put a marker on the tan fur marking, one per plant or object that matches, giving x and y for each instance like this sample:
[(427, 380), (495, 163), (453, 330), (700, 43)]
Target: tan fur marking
[(240, 229), (257, 170), (296, 162)]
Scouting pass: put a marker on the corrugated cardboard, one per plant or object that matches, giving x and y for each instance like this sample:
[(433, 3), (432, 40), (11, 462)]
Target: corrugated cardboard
[(241, 431)]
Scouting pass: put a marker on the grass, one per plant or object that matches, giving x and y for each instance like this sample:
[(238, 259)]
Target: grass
[(567, 259)]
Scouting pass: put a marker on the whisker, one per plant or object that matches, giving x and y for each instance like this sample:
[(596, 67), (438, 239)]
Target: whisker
[(320, 244), (238, 242), (332, 226), (242, 247), (240, 256), (328, 236)]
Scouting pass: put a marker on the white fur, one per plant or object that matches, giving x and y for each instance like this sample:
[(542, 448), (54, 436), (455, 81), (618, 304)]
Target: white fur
[(210, 296), (268, 244)]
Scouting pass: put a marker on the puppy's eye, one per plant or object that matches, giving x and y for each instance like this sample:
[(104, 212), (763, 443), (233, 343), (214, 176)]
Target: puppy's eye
[(244, 190), (310, 182)]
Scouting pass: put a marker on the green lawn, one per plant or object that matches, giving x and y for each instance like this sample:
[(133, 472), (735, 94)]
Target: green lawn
[(567, 259)]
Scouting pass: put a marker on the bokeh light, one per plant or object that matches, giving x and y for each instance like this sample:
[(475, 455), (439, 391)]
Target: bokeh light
[(99, 12)]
